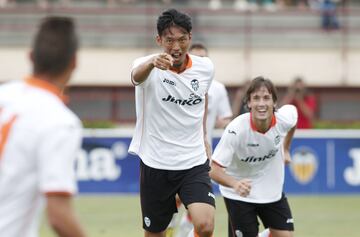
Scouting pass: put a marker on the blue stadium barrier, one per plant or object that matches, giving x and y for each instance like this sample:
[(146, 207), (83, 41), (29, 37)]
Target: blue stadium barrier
[(323, 162)]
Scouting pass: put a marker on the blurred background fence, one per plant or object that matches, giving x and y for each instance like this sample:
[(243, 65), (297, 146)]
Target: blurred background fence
[(280, 40)]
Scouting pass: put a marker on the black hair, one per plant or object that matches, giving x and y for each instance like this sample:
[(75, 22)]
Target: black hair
[(54, 45), (258, 82), (172, 17)]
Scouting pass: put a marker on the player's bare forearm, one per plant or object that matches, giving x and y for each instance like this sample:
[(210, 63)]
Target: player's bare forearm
[(162, 61), (288, 139), (217, 173), (287, 157), (62, 218), (140, 73)]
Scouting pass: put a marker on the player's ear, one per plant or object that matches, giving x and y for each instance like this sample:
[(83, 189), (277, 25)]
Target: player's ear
[(248, 105), (158, 40), (190, 36)]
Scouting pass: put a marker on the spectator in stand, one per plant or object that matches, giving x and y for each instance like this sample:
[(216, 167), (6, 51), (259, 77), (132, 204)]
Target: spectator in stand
[(112, 3), (253, 5), (329, 14), (301, 3), (304, 101), (39, 3)]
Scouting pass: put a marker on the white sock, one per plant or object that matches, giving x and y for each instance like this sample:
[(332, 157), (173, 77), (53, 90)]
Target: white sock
[(173, 221), (185, 226), (191, 233), (264, 233)]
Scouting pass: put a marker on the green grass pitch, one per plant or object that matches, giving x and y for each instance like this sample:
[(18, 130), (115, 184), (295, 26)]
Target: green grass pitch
[(315, 216)]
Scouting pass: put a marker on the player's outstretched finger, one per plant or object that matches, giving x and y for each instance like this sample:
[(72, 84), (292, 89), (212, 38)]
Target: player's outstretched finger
[(170, 58)]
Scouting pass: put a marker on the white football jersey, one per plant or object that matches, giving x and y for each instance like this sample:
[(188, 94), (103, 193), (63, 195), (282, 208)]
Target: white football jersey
[(218, 106), (247, 153), (170, 109), (40, 138)]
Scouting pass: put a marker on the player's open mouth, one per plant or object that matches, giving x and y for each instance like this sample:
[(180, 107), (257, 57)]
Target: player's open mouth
[(176, 56), (262, 112)]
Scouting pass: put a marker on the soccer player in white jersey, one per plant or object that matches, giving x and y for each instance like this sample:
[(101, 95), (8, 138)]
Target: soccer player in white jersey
[(40, 138), (249, 160), (170, 134)]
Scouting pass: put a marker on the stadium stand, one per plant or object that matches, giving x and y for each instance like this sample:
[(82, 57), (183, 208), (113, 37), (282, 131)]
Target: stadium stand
[(257, 42)]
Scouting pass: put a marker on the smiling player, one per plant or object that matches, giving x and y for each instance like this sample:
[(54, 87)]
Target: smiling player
[(249, 160)]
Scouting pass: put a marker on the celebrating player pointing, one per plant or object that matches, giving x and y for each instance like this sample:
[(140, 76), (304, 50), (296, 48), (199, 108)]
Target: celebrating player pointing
[(171, 100)]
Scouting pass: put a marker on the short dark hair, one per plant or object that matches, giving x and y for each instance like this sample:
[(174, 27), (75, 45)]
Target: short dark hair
[(172, 17), (54, 45), (198, 46), (258, 82)]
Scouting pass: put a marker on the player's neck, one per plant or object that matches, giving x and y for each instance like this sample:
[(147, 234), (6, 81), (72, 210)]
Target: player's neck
[(55, 81), (59, 81), (262, 126), (182, 67)]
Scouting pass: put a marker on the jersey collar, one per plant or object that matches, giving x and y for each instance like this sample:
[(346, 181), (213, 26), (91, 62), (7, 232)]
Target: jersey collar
[(253, 125), (188, 65), (42, 84)]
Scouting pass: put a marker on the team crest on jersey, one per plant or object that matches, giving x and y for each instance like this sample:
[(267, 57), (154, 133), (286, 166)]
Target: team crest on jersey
[(304, 165), (195, 84)]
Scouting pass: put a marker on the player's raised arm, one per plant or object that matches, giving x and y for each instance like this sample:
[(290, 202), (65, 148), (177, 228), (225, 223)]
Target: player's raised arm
[(162, 61)]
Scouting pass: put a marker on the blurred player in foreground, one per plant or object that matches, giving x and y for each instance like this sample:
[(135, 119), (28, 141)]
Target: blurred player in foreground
[(170, 134), (248, 163), (40, 138)]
